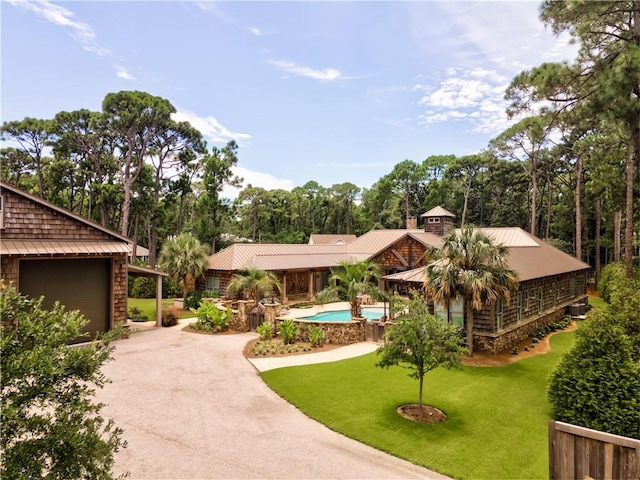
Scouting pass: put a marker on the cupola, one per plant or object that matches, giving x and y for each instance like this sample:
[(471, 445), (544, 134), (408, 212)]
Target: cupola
[(438, 220)]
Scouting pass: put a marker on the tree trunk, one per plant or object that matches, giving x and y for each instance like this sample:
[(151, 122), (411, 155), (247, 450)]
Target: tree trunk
[(628, 233), (597, 238), (617, 221), (578, 251), (534, 196), (420, 390), (469, 319), (467, 191), (548, 229)]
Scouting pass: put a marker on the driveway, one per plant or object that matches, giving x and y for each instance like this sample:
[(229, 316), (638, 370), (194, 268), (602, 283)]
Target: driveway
[(192, 406)]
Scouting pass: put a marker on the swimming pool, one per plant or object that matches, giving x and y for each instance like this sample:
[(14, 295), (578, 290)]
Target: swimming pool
[(344, 315)]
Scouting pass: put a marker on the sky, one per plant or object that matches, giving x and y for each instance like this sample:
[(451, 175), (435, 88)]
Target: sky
[(329, 91)]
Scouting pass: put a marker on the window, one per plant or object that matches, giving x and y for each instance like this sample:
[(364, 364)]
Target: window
[(554, 293), (213, 285), (499, 315), (572, 287), (1, 214), (519, 307), (454, 315), (539, 299), (434, 220)]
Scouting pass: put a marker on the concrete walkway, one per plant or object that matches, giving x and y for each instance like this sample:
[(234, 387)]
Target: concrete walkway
[(192, 407)]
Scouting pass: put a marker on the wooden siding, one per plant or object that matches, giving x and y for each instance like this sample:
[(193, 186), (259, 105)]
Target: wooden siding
[(25, 219), (405, 254)]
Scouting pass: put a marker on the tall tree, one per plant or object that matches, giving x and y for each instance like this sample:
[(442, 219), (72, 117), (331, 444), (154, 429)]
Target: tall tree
[(605, 75), (471, 266), (135, 119), (33, 135), (257, 283)]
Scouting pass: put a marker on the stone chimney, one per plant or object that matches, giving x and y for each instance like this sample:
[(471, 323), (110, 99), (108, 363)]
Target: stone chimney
[(438, 221), (412, 223)]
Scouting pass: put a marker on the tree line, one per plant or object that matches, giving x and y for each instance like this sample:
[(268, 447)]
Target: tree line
[(566, 170)]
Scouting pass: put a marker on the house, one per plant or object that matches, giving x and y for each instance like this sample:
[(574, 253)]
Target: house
[(550, 280), (46, 250)]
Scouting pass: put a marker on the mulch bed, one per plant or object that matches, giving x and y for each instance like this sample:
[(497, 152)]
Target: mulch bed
[(426, 414)]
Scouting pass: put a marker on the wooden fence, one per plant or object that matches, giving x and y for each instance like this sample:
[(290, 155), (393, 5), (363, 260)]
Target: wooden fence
[(585, 454)]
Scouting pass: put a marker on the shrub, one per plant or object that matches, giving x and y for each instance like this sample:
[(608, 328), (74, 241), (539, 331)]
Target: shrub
[(135, 314), (143, 287), (596, 383), (169, 319), (52, 427), (265, 330), (612, 277), (211, 318), (316, 336), (288, 331), (193, 299)]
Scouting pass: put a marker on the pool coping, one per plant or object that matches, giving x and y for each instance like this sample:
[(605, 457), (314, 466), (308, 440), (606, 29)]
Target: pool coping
[(299, 313)]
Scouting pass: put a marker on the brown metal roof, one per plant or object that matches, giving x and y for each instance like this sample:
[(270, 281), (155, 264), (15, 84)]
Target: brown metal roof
[(415, 275), (375, 241), (330, 239), (303, 262), (61, 247), (438, 212), (140, 271), (509, 236)]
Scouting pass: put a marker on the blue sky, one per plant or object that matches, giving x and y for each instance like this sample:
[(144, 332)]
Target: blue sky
[(327, 91)]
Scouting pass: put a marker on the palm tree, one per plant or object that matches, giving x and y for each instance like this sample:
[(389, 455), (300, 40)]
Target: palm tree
[(473, 267), (349, 281), (183, 257), (258, 283)]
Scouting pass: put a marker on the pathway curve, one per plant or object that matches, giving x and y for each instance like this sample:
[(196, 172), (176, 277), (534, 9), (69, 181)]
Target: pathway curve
[(193, 407)]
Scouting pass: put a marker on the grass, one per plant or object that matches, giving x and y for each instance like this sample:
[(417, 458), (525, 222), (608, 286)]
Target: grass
[(148, 307), (598, 303), (497, 416)]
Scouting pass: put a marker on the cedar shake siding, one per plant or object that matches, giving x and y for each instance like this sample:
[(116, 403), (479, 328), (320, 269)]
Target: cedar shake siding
[(37, 238)]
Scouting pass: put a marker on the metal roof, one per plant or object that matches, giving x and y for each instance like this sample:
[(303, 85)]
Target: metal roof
[(509, 236), (375, 241), (415, 275), (329, 239), (144, 271), (438, 212), (61, 247)]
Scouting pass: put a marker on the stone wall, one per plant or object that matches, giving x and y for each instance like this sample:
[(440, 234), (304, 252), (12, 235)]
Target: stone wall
[(507, 340), (338, 333)]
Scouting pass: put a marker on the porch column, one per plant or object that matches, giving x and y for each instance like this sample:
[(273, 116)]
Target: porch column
[(284, 287), (158, 300), (310, 286)]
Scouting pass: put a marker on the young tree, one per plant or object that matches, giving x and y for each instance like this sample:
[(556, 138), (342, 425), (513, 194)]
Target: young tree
[(350, 281), (257, 282), (183, 257), (51, 428), (420, 342), (473, 267)]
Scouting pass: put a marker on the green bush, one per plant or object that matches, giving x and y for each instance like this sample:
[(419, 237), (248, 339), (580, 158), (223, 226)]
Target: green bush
[(211, 318), (193, 299), (169, 319), (265, 330), (316, 336), (596, 383), (143, 287), (135, 314), (613, 276), (288, 331)]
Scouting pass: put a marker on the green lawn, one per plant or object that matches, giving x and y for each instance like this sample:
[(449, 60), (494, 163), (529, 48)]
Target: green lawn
[(148, 307), (497, 416), (598, 303)]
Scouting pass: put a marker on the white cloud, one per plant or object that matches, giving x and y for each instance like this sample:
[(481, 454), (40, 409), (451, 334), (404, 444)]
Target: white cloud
[(475, 96), (123, 73), (65, 18), (256, 31), (210, 128), (256, 179), (328, 74)]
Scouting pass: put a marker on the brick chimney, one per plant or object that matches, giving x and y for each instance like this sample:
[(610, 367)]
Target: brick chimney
[(438, 221), (412, 223)]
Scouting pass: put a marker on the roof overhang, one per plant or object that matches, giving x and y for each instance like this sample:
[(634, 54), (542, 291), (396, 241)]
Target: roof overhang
[(139, 271), (62, 247)]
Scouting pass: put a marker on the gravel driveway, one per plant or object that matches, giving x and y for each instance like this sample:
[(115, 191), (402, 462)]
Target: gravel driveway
[(193, 407)]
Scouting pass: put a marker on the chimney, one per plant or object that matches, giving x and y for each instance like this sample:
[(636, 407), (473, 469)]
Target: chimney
[(412, 223), (438, 221)]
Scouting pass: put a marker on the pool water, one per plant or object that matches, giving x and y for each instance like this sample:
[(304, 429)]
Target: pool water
[(344, 315)]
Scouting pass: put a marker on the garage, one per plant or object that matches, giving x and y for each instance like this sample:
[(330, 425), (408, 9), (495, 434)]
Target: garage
[(78, 284)]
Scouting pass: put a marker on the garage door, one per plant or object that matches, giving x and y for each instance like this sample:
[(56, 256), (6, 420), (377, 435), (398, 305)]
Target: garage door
[(78, 284)]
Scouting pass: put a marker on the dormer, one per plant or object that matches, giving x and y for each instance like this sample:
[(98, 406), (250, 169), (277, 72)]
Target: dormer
[(438, 221)]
